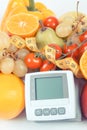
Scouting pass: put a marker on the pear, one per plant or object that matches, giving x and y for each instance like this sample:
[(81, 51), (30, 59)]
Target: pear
[(47, 35)]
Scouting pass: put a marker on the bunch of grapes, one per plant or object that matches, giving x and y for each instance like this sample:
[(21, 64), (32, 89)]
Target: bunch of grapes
[(11, 57)]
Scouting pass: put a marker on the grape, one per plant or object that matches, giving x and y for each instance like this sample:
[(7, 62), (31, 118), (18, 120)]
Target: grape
[(74, 38), (12, 48), (4, 40), (83, 25), (69, 20), (20, 69), (63, 29), (2, 52), (22, 53), (7, 65)]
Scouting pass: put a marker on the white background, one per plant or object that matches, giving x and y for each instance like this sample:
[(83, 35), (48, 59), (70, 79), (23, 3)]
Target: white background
[(60, 7)]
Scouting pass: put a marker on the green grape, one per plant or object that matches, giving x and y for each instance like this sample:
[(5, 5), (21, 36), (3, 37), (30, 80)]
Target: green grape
[(7, 65), (2, 54), (4, 41), (20, 69), (69, 20), (64, 29), (12, 48), (22, 53)]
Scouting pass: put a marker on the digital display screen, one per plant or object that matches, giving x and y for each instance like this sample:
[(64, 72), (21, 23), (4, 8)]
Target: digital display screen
[(49, 88)]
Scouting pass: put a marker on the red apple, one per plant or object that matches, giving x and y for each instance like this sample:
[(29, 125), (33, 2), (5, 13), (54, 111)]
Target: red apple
[(84, 100)]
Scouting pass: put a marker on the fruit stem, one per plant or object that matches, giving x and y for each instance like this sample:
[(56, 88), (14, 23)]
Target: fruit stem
[(43, 28), (31, 6), (77, 10)]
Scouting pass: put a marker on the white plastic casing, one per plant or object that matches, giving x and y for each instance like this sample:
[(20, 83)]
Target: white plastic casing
[(66, 106)]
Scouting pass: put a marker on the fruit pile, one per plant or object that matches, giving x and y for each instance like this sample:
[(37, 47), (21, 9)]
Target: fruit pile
[(33, 39)]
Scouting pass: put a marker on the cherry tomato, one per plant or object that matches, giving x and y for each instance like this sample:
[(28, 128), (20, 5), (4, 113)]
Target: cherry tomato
[(58, 50), (83, 36), (47, 66), (51, 22), (71, 48), (32, 61), (82, 48)]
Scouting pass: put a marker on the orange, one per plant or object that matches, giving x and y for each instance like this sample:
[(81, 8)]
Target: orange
[(37, 14), (22, 9), (11, 5), (18, 9), (83, 64), (22, 24), (11, 96)]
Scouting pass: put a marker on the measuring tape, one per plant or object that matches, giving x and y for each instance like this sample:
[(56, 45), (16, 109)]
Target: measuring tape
[(49, 53)]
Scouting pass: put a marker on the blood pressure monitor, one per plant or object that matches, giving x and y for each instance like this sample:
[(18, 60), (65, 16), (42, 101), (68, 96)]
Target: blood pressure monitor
[(50, 96)]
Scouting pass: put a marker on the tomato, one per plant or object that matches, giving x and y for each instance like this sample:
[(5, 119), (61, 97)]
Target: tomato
[(82, 48), (83, 36), (33, 61), (71, 48), (51, 22), (47, 66), (58, 50)]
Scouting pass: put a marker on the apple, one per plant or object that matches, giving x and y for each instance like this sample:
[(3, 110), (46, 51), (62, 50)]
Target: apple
[(84, 100)]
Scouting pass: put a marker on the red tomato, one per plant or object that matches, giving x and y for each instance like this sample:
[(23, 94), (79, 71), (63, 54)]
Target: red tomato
[(70, 48), (51, 22), (83, 36), (58, 50), (47, 66), (82, 48), (84, 100), (32, 61)]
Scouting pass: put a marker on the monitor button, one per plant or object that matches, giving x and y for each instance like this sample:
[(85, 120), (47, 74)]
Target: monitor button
[(46, 111), (53, 111), (38, 112), (61, 110)]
